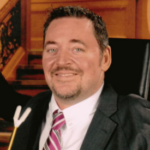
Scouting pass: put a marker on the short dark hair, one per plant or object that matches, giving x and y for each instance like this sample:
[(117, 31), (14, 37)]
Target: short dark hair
[(100, 30)]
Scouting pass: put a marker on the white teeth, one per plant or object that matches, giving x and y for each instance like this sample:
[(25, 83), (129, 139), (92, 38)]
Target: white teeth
[(64, 75)]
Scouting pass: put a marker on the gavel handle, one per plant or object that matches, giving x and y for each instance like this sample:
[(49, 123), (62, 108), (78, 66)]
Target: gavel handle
[(12, 138)]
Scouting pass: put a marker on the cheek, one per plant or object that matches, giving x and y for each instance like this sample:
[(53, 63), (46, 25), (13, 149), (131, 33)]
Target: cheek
[(47, 66), (44, 64), (90, 65), (91, 72), (47, 63)]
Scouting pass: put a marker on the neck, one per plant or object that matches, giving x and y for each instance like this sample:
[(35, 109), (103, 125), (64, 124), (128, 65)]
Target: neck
[(65, 103)]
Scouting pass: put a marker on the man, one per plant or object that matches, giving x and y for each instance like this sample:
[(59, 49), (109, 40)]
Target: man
[(89, 113)]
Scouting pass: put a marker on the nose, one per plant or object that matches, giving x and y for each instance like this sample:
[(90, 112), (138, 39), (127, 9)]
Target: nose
[(63, 58)]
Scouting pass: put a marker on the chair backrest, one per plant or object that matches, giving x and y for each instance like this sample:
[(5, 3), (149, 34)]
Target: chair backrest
[(10, 99), (130, 69)]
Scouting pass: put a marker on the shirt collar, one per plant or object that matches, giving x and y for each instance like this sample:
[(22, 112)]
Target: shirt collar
[(53, 105), (77, 112)]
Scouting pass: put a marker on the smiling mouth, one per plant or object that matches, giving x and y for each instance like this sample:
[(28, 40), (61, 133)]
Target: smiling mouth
[(65, 74)]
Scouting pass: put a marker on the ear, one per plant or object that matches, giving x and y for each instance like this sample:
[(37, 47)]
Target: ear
[(106, 60)]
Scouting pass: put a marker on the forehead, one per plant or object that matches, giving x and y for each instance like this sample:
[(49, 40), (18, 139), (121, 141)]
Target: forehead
[(72, 20), (72, 25)]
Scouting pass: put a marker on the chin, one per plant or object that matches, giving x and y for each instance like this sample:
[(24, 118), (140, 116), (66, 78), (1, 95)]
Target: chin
[(66, 93)]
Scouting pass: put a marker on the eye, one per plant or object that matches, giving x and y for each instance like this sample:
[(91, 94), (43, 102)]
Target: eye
[(51, 50), (78, 49)]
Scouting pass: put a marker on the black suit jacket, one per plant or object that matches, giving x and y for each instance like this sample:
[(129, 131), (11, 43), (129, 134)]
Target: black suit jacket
[(120, 123)]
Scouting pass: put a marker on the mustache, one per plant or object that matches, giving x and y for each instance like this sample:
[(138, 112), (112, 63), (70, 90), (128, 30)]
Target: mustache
[(65, 68)]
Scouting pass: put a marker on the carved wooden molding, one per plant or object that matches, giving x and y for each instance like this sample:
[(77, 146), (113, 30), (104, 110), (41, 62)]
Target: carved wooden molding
[(109, 4), (6, 9), (37, 39), (73, 1), (62, 1)]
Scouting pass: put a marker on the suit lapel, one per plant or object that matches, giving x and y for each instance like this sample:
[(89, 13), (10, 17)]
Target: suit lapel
[(102, 127), (39, 111)]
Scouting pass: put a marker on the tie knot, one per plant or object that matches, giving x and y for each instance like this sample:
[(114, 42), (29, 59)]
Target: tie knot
[(58, 120)]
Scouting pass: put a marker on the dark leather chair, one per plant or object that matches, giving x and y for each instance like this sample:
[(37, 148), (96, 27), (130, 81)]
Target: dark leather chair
[(130, 69), (9, 100)]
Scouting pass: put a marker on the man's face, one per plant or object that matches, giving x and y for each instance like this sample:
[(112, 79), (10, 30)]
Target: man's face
[(72, 62)]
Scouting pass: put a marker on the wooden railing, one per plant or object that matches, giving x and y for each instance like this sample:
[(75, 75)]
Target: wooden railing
[(7, 8), (13, 62), (10, 31)]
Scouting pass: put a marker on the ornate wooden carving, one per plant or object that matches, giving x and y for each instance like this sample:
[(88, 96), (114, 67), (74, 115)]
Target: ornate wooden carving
[(10, 33)]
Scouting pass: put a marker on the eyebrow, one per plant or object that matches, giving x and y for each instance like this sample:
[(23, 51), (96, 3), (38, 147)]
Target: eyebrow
[(49, 42), (71, 41), (77, 41)]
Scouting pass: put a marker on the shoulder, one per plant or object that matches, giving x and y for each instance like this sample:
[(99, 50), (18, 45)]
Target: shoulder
[(133, 106), (132, 102), (133, 111), (134, 119)]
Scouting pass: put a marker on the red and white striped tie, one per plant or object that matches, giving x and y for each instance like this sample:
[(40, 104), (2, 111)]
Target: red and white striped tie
[(53, 142)]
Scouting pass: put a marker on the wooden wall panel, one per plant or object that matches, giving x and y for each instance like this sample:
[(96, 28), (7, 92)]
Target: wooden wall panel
[(143, 19), (119, 16), (95, 5), (37, 21), (36, 43), (58, 1), (114, 23)]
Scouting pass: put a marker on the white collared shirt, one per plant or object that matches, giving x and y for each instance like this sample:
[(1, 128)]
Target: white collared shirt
[(78, 118)]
